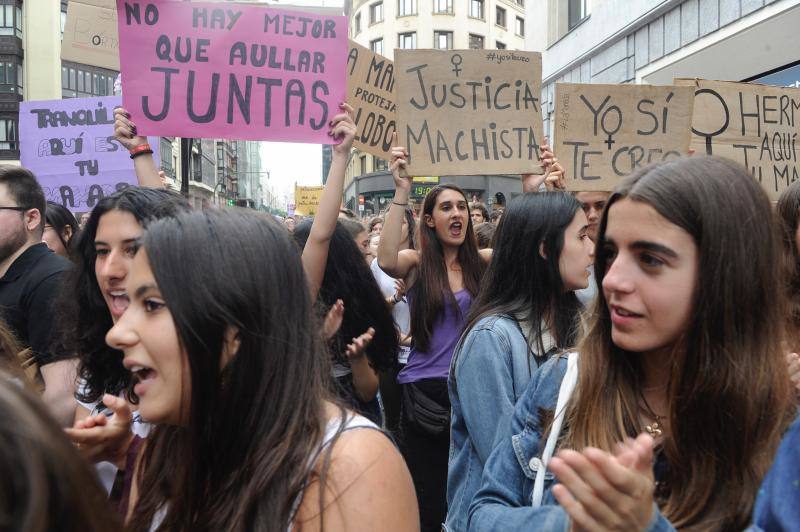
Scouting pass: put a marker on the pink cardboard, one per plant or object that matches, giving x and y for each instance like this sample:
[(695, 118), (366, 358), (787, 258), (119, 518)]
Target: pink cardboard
[(231, 71)]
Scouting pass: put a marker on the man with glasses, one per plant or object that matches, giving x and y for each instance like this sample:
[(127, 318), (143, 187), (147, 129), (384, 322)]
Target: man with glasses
[(30, 279)]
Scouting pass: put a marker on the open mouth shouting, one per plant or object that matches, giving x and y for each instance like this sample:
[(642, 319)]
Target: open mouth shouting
[(118, 302), (142, 375), (456, 229)]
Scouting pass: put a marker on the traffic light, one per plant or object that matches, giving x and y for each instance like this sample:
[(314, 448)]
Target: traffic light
[(231, 202)]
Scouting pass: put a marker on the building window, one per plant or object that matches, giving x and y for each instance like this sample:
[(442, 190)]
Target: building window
[(476, 9), (9, 134), (406, 8), (576, 12), (376, 13), (500, 45), (363, 164), (520, 29), (376, 46), (500, 17), (167, 159), (379, 164), (520, 3), (443, 40), (11, 20), (82, 81), (407, 41), (443, 7), (10, 74), (357, 24), (475, 41)]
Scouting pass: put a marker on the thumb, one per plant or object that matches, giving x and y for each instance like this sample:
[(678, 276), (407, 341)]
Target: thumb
[(120, 407)]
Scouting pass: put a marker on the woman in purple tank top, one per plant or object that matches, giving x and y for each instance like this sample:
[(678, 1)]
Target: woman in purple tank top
[(444, 275)]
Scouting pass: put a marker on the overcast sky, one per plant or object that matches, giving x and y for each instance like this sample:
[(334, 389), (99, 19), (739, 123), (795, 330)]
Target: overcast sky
[(288, 163)]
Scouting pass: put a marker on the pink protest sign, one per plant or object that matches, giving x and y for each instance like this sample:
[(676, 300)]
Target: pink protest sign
[(231, 70)]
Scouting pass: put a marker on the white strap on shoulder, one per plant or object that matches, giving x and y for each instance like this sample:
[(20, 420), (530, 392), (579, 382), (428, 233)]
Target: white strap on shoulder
[(564, 393)]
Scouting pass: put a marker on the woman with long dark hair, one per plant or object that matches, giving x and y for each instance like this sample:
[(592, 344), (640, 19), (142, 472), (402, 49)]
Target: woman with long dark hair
[(348, 282), (443, 276), (234, 379), (97, 296), (683, 349), (525, 312), (60, 228)]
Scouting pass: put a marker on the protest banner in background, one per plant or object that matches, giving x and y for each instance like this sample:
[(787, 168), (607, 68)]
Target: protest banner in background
[(70, 146), (755, 125), (306, 200), (372, 95), (605, 132), (90, 34), (231, 71), (468, 112)]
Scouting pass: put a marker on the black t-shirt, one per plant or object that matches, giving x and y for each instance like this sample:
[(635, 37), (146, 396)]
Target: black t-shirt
[(28, 293)]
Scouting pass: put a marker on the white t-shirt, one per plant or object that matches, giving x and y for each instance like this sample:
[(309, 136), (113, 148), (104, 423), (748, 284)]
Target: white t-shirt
[(401, 312), (106, 471)]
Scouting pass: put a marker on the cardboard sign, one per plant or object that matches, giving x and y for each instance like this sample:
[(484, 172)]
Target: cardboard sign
[(231, 71), (372, 95), (90, 34), (306, 200), (755, 125), (70, 146), (469, 112), (605, 132)]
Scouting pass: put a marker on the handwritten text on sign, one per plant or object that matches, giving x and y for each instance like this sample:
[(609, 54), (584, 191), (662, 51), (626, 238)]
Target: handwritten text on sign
[(238, 71), (307, 200), (467, 112), (605, 132), (756, 125), (70, 146), (371, 88)]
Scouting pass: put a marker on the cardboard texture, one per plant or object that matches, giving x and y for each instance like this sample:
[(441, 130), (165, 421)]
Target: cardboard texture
[(371, 93), (604, 132), (469, 112), (306, 200), (90, 34), (755, 125), (233, 71)]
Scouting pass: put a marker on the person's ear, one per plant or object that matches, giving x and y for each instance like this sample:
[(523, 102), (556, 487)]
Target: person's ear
[(67, 233), (33, 219), (542, 252), (429, 221)]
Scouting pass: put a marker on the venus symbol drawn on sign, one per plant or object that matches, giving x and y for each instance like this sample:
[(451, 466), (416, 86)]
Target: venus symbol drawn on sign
[(456, 64)]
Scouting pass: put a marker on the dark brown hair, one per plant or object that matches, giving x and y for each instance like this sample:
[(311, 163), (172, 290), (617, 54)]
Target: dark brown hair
[(255, 425), (728, 392), (788, 213), (432, 286), (46, 484)]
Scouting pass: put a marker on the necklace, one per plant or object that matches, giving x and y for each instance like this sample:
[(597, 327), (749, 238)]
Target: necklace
[(655, 429)]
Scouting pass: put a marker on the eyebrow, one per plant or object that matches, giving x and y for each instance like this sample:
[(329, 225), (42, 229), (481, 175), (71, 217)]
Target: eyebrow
[(143, 289), (646, 246), (126, 241)]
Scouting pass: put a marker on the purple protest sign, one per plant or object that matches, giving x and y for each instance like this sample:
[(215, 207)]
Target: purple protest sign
[(231, 71), (70, 146)]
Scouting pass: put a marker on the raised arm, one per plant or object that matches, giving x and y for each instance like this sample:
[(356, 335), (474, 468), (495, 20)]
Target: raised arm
[(552, 177), (315, 252), (396, 263), (144, 163)]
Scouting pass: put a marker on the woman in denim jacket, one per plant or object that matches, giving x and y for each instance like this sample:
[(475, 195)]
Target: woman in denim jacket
[(684, 344), (525, 311)]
